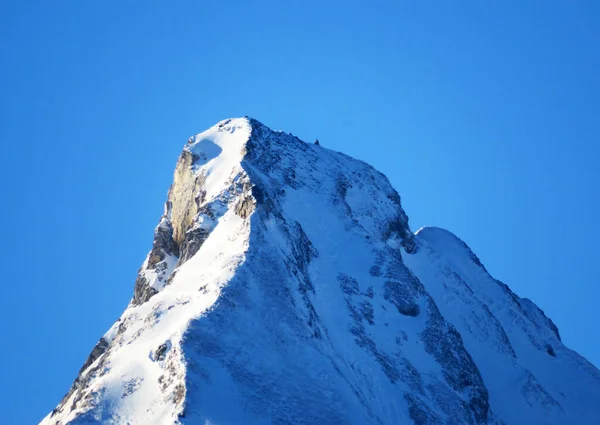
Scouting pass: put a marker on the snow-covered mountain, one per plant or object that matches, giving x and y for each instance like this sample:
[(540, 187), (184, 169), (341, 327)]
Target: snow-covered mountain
[(284, 286)]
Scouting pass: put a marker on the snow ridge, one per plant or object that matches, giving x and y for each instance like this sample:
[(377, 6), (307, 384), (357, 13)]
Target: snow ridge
[(284, 285)]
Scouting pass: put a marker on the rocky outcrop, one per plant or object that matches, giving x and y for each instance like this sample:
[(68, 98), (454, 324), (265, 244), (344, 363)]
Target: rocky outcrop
[(185, 196), (79, 393)]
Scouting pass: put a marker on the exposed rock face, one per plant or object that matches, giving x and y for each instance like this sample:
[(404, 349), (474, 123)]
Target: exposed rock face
[(185, 195), (284, 286)]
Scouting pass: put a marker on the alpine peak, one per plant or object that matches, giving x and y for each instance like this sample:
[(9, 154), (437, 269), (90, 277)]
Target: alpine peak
[(284, 286)]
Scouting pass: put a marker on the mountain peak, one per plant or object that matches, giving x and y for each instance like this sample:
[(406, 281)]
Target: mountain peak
[(284, 286)]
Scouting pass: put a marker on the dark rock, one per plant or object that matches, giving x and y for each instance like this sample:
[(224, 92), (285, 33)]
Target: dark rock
[(445, 344), (401, 295), (163, 243), (367, 312), (191, 243), (99, 349), (245, 207), (398, 226), (142, 292), (161, 352), (348, 284), (420, 413), (410, 244), (179, 393), (86, 374)]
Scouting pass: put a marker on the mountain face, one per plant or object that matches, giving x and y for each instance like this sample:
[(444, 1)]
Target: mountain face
[(284, 286)]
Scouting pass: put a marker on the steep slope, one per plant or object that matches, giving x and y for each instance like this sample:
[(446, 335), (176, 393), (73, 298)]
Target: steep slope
[(284, 286), (531, 376)]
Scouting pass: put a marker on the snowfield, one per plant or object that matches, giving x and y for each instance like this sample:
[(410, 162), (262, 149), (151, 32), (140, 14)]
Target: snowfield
[(284, 286)]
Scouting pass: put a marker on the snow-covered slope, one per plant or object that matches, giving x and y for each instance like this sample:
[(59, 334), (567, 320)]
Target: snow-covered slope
[(532, 378), (284, 286)]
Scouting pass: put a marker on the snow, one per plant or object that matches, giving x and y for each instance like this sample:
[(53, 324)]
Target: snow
[(221, 150), (167, 315), (308, 310), (507, 336)]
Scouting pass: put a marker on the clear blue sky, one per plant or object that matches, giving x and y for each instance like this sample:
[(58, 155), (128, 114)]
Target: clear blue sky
[(484, 115)]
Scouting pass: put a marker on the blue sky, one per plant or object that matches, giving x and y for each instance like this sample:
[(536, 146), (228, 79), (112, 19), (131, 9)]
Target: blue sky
[(484, 115)]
